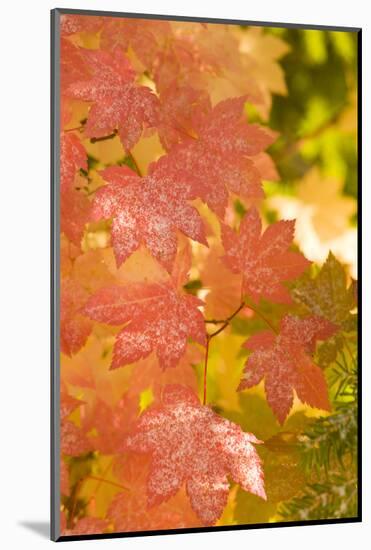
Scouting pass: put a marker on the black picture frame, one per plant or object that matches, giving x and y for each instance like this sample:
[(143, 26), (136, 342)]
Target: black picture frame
[(55, 275)]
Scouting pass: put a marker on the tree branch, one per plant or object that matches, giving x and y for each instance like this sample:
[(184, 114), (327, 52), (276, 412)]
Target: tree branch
[(104, 138), (228, 320), (225, 323)]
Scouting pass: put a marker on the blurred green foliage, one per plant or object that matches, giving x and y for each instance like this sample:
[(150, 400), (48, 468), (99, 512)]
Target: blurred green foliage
[(317, 118)]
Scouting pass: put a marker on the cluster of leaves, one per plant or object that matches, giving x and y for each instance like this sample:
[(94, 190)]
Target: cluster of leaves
[(167, 265), (328, 446)]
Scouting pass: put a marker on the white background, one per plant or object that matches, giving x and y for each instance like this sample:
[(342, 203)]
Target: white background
[(24, 242)]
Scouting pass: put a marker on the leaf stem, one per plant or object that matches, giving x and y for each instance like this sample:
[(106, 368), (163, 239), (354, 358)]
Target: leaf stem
[(78, 488), (205, 367), (104, 138), (105, 471), (77, 129), (71, 515), (263, 317), (102, 480), (210, 336), (132, 158), (228, 320), (225, 323)]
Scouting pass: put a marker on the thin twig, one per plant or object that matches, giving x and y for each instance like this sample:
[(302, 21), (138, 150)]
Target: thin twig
[(225, 323), (102, 480), (228, 320), (262, 316), (209, 337), (104, 138), (77, 129), (105, 471), (137, 169), (205, 367)]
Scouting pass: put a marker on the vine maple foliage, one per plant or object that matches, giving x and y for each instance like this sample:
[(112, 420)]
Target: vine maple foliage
[(165, 248), (190, 443), (147, 210), (284, 359)]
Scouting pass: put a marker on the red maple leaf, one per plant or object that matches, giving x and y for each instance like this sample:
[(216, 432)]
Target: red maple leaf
[(64, 478), (190, 444), (70, 24), (72, 65), (263, 259), (145, 37), (160, 320), (218, 152), (147, 211), (128, 510), (75, 205), (118, 103), (108, 423), (180, 109), (72, 158), (74, 327), (73, 439), (85, 526), (285, 361)]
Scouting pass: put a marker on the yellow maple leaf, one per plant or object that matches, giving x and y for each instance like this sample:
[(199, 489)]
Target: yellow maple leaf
[(322, 216)]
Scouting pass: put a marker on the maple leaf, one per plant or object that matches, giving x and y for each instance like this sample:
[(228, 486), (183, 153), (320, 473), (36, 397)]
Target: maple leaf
[(285, 361), (147, 211), (86, 526), (263, 259), (128, 510), (75, 212), (265, 49), (181, 63), (148, 374), (72, 65), (160, 320), (224, 287), (74, 328), (64, 478), (205, 57), (190, 444), (182, 264), (260, 52), (110, 423), (74, 204), (323, 217), (72, 157), (218, 156), (73, 439), (145, 37), (180, 107), (118, 103), (328, 294), (71, 24)]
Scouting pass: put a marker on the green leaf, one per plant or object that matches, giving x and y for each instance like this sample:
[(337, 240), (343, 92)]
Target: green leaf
[(327, 294)]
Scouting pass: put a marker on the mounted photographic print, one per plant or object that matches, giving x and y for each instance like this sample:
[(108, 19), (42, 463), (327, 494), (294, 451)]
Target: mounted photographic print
[(204, 286)]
